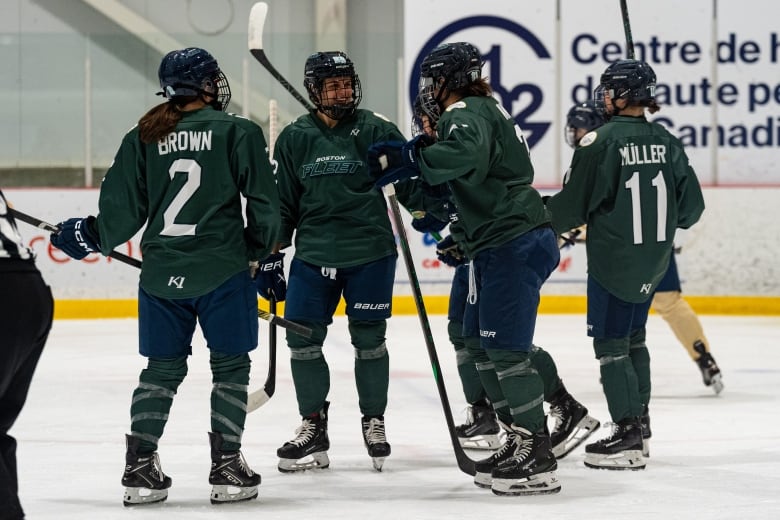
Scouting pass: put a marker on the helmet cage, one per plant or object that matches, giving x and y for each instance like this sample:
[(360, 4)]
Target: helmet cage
[(333, 64)]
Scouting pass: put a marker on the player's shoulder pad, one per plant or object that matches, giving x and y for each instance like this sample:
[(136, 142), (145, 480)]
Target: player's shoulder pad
[(457, 104), (589, 138)]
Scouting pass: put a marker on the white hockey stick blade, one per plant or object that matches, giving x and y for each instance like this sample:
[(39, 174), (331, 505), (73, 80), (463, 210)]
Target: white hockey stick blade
[(256, 399), (256, 23), (383, 162)]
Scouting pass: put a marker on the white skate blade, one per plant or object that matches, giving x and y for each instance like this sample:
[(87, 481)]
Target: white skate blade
[(481, 442), (628, 459), (138, 495), (318, 460), (224, 494), (717, 383), (645, 447), (582, 431), (541, 484), (378, 462), (483, 480)]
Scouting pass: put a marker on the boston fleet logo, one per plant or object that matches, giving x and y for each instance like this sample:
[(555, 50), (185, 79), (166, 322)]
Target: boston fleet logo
[(522, 100)]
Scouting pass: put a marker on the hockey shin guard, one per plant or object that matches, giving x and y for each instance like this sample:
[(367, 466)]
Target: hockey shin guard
[(473, 391), (618, 378), (152, 400), (522, 387), (372, 365), (310, 371), (229, 379), (640, 359), (543, 362), (487, 376)]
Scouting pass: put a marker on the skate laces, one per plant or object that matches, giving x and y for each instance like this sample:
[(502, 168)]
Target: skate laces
[(471, 417), (242, 464), (304, 432), (375, 433)]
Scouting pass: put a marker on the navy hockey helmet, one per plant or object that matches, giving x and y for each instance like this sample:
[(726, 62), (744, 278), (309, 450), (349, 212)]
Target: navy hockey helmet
[(193, 72), (449, 66), (332, 64), (633, 80), (586, 116)]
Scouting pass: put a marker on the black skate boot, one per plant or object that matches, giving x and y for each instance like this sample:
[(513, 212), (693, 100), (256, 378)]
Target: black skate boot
[(646, 432), (621, 450), (710, 373), (531, 468), (144, 481), (231, 478), (484, 468), (309, 449), (572, 424), (375, 440), (481, 430)]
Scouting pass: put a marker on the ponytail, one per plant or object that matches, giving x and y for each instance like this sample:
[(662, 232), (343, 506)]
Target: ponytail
[(162, 119)]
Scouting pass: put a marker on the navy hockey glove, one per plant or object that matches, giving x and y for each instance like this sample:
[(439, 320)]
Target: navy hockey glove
[(449, 252), (269, 278), (393, 161), (77, 237), (427, 223)]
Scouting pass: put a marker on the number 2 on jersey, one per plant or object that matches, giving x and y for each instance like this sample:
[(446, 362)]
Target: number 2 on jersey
[(192, 170)]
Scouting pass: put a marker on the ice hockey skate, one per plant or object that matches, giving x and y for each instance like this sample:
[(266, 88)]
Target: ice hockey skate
[(530, 470), (622, 450), (309, 449), (646, 432), (484, 468), (231, 478), (481, 430), (710, 373), (375, 440), (572, 425), (144, 481)]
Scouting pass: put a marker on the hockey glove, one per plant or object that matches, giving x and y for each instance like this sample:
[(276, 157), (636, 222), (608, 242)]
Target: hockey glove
[(393, 161), (427, 223), (449, 252), (269, 279), (77, 237)]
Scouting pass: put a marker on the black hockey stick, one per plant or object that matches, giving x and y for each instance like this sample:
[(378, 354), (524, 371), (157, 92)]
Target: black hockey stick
[(258, 398), (257, 17), (54, 229), (627, 30), (129, 260), (464, 462)]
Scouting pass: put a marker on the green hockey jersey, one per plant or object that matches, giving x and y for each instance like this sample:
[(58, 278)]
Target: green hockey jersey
[(482, 155), (187, 190), (328, 200), (631, 182)]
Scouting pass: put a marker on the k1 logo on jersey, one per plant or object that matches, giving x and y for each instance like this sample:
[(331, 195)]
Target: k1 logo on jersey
[(503, 66)]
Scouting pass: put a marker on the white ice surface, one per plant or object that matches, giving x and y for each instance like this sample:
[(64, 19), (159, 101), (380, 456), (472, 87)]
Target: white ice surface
[(711, 457)]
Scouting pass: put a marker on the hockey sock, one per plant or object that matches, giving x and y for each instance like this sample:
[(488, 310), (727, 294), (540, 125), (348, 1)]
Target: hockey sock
[(229, 379), (310, 371), (543, 362), (372, 365), (152, 400), (618, 378), (489, 379), (640, 359), (681, 319), (522, 387), (473, 390)]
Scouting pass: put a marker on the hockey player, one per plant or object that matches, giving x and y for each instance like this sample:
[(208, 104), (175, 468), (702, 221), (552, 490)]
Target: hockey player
[(631, 183), (481, 430), (344, 246), (182, 172), (482, 156), (26, 311)]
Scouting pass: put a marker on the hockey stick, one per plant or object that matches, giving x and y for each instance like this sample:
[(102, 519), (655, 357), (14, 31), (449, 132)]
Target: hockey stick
[(129, 260), (257, 17), (258, 398), (464, 462), (54, 229), (627, 30)]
